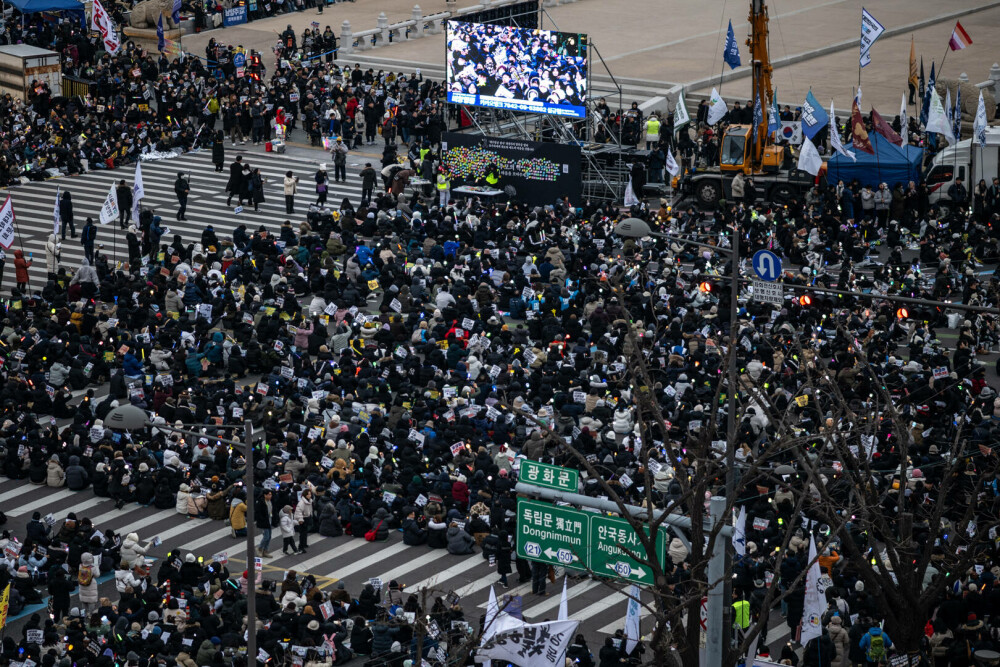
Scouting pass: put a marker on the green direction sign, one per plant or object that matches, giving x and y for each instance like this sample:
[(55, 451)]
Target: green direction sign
[(611, 539), (549, 476), (552, 534)]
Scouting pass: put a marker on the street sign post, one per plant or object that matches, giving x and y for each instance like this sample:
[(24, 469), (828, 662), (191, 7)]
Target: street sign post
[(551, 534), (549, 476), (610, 539), (768, 292), (766, 265)]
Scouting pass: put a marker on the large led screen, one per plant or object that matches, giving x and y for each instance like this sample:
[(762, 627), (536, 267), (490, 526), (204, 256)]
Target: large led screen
[(520, 69)]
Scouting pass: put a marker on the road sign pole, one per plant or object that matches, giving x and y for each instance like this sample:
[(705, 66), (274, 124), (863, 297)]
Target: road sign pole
[(715, 649), (678, 520)]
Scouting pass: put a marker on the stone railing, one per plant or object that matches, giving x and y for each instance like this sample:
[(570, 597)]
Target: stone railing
[(415, 27)]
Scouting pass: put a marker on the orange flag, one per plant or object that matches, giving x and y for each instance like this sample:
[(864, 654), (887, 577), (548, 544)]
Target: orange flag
[(885, 129), (859, 135)]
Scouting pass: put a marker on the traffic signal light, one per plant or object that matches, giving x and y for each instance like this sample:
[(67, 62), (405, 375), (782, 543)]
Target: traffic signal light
[(805, 300), (902, 313), (705, 287)]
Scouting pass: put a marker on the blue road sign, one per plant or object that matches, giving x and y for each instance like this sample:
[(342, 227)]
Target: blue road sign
[(239, 60), (766, 265)]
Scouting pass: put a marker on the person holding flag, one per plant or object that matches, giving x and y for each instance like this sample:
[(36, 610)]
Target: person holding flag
[(124, 194)]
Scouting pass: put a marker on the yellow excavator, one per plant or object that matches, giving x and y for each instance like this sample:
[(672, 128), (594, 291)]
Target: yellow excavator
[(755, 154)]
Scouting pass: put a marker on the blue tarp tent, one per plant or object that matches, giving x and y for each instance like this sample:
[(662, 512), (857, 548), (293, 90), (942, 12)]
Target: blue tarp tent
[(892, 165), (35, 6)]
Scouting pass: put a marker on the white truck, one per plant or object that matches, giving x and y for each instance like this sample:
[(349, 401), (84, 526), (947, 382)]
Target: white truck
[(965, 160)]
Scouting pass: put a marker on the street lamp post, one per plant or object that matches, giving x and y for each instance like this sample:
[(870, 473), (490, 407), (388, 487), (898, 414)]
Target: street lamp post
[(131, 418)]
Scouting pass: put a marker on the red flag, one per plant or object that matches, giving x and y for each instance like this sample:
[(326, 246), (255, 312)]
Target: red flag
[(859, 135), (959, 38), (885, 129)]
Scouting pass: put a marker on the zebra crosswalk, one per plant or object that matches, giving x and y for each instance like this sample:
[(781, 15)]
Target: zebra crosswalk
[(331, 560), (34, 202)]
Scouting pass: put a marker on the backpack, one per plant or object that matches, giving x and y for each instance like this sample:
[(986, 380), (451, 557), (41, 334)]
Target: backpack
[(876, 650), (85, 575)]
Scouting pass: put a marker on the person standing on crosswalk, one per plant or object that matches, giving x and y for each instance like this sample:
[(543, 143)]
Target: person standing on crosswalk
[(235, 184), (181, 189), (21, 266), (124, 194), (291, 182), (87, 237), (339, 150), (264, 521), (66, 214)]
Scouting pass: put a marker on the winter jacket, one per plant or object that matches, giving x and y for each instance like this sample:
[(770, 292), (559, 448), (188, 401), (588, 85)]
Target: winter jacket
[(77, 478), (286, 523), (55, 477), (181, 506), (132, 550), (839, 636), (459, 541), (329, 522), (413, 534), (88, 593)]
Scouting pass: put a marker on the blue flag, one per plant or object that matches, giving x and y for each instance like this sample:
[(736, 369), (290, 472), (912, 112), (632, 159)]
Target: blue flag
[(731, 52), (814, 118), (177, 11), (926, 107), (958, 113), (160, 41), (758, 115), (774, 120)]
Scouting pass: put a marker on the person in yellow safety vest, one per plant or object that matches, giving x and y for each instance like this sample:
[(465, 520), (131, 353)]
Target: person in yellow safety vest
[(652, 131), (492, 175), (443, 183), (423, 153), (741, 615)]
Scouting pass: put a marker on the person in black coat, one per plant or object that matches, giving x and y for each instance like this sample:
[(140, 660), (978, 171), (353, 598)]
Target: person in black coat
[(66, 214), (60, 589), (413, 532), (124, 194), (219, 151), (235, 184)]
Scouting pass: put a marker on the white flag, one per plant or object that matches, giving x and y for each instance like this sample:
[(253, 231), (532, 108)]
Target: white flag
[(109, 211), (630, 198), (870, 31), (7, 223), (740, 533), (681, 115), (937, 119), (56, 219), (531, 644), (979, 124), (101, 23), (857, 97), (138, 191), (672, 167), (716, 107), (492, 611), (904, 122), (815, 601), (809, 159), (835, 141), (564, 603), (632, 619)]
